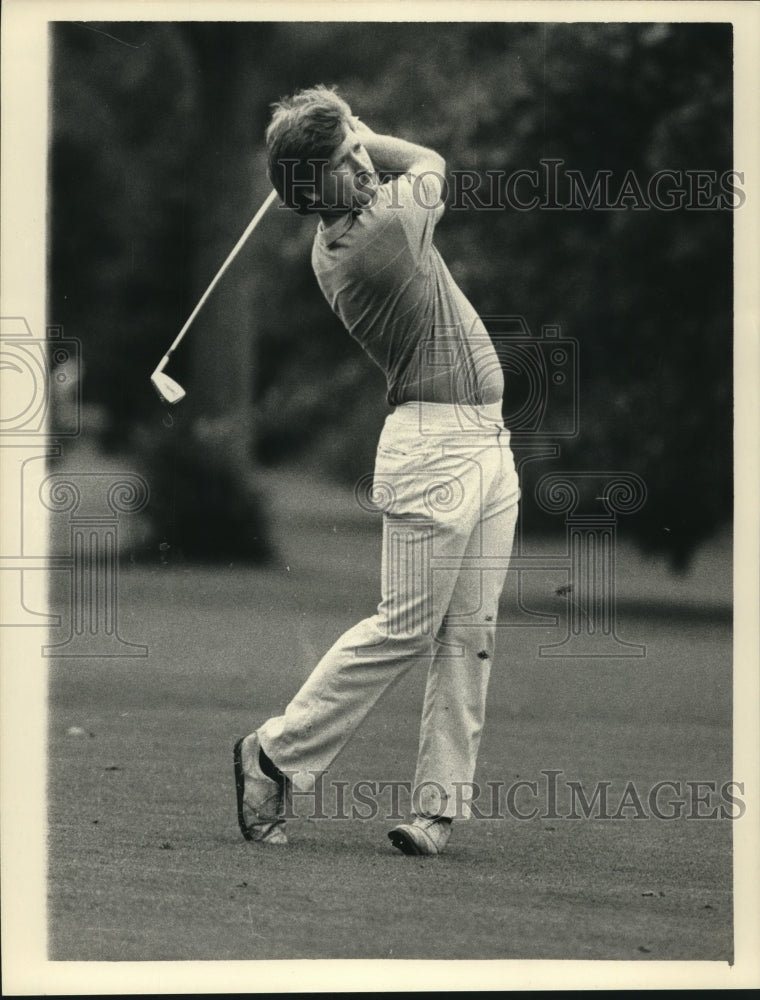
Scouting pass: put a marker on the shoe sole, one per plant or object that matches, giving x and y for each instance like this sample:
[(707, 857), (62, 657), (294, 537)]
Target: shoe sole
[(402, 840), (237, 755)]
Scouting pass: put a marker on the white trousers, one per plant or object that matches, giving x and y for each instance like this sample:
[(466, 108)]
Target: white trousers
[(446, 482)]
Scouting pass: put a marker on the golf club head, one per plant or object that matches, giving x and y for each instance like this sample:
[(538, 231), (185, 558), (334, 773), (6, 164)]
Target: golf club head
[(170, 391)]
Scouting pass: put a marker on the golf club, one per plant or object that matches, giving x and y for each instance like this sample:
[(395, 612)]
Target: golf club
[(166, 387)]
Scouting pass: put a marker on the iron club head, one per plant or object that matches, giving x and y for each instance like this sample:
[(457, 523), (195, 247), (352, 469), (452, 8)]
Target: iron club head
[(170, 391)]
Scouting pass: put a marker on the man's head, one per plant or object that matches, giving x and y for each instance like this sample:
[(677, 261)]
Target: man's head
[(314, 162)]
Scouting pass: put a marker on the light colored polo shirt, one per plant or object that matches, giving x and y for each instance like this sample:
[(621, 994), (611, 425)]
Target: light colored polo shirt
[(387, 282)]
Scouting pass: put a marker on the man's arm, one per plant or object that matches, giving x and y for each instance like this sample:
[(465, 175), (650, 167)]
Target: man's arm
[(397, 155)]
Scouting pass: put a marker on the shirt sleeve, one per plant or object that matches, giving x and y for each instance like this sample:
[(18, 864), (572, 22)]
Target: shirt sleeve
[(420, 200)]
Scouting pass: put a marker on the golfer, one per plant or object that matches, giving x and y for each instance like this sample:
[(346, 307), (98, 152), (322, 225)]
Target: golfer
[(444, 474)]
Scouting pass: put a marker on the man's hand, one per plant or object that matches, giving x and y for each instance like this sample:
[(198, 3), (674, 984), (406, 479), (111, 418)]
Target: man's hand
[(360, 127)]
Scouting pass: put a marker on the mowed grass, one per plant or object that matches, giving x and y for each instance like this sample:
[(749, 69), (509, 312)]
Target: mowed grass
[(146, 861)]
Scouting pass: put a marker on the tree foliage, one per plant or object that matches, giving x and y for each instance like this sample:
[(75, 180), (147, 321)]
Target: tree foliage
[(157, 166)]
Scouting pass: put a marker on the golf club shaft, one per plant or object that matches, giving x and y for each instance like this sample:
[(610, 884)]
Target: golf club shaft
[(233, 253)]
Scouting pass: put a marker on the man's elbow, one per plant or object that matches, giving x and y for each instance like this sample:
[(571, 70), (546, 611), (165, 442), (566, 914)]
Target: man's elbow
[(440, 167), (430, 163)]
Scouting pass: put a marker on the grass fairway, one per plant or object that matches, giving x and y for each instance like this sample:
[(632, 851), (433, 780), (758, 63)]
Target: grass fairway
[(145, 858)]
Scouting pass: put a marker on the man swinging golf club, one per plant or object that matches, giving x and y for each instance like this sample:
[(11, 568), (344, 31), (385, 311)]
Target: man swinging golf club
[(444, 471)]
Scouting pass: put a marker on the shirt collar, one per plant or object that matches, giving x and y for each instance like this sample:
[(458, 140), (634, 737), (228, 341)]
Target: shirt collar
[(332, 233)]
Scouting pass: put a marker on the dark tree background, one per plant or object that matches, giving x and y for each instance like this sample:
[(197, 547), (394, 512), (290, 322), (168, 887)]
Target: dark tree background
[(157, 165)]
